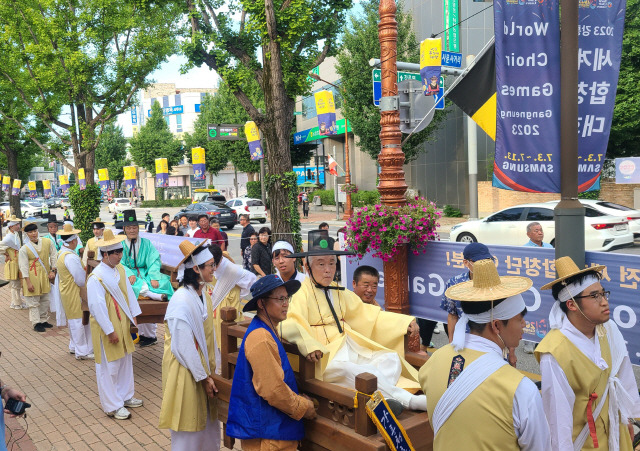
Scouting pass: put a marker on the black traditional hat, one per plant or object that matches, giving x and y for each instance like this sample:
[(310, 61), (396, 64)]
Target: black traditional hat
[(319, 243), (53, 220), (129, 218)]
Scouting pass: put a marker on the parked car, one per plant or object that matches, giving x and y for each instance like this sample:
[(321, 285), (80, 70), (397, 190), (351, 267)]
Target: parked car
[(610, 208), (120, 204), (54, 202), (225, 215), (64, 202), (254, 207), (602, 232), (30, 209)]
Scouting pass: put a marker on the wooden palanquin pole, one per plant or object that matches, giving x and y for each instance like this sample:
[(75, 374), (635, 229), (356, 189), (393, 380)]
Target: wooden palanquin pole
[(392, 185)]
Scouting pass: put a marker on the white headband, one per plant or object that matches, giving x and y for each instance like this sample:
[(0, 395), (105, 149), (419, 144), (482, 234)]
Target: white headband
[(195, 260), (556, 316), (506, 310), (111, 247), (12, 223), (70, 238)]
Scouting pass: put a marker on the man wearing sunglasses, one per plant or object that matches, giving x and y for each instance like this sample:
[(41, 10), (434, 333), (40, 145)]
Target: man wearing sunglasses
[(589, 392)]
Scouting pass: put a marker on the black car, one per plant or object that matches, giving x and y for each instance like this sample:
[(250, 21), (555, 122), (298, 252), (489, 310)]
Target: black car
[(225, 215)]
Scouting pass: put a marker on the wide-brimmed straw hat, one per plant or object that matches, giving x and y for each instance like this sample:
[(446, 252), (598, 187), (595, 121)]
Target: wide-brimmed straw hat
[(97, 221), (13, 219), (108, 239), (68, 229), (27, 224), (487, 285), (188, 248), (566, 267)]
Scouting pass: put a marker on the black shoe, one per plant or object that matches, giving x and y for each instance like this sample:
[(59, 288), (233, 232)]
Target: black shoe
[(164, 298), (47, 325), (39, 328), (147, 341), (4, 282)]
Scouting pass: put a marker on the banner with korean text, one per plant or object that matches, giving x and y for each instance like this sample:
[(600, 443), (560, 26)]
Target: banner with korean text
[(32, 190), (82, 181), (429, 273), (64, 184), (253, 138), (6, 183), (199, 163), (17, 184), (430, 65), (162, 173), (103, 178), (326, 111), (46, 187), (129, 178)]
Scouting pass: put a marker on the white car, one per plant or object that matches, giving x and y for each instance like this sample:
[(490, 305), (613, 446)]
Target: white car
[(609, 208), (119, 205), (509, 227), (30, 209), (253, 207)]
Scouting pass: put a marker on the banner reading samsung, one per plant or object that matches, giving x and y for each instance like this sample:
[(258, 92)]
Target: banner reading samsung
[(199, 163), (82, 182), (17, 184), (6, 183), (430, 65), (429, 273), (103, 177), (527, 54), (253, 138), (600, 29), (326, 110), (32, 190), (46, 187), (129, 178), (64, 184), (162, 173)]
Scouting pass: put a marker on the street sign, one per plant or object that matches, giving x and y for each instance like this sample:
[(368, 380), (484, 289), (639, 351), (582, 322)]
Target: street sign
[(451, 59), (376, 75), (439, 97), (224, 132)]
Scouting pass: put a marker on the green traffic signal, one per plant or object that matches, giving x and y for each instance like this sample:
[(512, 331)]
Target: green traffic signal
[(213, 132)]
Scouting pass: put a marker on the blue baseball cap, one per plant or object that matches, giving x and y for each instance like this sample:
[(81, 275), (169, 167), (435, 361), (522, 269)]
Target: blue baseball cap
[(476, 251), (266, 284)]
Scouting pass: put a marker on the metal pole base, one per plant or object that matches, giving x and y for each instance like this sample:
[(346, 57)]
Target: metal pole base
[(569, 240)]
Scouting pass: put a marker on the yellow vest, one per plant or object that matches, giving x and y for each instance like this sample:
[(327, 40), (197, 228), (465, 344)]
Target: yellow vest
[(69, 291), (120, 325), (184, 401), (584, 378), (232, 299), (11, 267), (38, 276), (484, 420)]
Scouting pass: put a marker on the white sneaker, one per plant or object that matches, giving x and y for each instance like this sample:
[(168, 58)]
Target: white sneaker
[(71, 351), (121, 414), (85, 357), (133, 402)]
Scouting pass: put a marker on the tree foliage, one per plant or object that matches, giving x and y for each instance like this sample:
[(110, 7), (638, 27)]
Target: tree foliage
[(359, 44), (155, 140), (111, 152), (78, 64)]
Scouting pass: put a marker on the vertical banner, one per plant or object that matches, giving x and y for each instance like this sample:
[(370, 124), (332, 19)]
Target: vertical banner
[(6, 183), (64, 184), (527, 55), (430, 65), (452, 29), (46, 187), (199, 163), (162, 173), (600, 29), (103, 178), (16, 187), (326, 110), (32, 190), (81, 179), (129, 178), (253, 138)]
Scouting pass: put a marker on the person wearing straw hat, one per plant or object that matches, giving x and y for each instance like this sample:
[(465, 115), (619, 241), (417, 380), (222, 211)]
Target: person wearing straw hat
[(66, 295), (331, 326), (588, 387), (143, 264), (10, 246), (37, 262), (97, 226), (475, 399), (265, 408), (189, 407), (52, 229), (113, 307)]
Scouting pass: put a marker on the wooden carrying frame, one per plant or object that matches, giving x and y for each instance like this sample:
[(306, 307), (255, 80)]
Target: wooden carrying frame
[(340, 425)]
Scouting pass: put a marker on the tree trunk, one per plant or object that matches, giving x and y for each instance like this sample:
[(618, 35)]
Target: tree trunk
[(12, 165), (89, 168)]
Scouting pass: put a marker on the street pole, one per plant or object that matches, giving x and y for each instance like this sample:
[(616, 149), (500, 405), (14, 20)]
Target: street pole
[(472, 151), (569, 213)]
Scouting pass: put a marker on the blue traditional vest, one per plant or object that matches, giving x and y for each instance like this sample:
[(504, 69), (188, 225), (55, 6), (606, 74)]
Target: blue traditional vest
[(250, 416)]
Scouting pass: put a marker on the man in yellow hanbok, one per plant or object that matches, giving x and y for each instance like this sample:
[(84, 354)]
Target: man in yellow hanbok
[(346, 337), (10, 245), (98, 229)]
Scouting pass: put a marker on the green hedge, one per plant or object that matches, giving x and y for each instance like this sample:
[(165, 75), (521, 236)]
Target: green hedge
[(253, 190), (359, 199), (326, 196), (166, 203), (86, 207)]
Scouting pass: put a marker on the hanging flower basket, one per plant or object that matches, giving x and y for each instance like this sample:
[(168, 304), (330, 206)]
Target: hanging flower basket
[(379, 229), (349, 188)]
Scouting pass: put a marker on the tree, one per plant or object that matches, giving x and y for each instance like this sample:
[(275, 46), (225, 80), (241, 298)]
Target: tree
[(155, 140), (85, 60), (274, 43), (359, 44), (111, 152), (625, 128)]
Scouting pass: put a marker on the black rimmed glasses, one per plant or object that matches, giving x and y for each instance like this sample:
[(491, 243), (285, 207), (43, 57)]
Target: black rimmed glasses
[(596, 296)]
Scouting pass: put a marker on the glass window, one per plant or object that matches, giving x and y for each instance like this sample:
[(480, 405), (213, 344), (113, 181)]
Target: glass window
[(592, 212), (179, 119), (255, 203), (614, 206), (512, 214), (165, 101), (178, 99), (540, 214)]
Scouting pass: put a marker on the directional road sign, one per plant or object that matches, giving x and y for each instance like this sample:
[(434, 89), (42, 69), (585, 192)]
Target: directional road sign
[(439, 97), (451, 59), (376, 75), (224, 132)]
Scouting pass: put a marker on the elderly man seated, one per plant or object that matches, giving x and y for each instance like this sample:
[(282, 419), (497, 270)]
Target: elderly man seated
[(346, 337)]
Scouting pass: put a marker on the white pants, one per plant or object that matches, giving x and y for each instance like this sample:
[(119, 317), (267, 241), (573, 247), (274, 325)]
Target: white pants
[(15, 286), (147, 330), (207, 439), (38, 308), (115, 381), (79, 337)]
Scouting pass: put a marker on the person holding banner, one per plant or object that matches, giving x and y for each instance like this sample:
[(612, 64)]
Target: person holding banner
[(589, 390), (10, 245), (475, 399), (113, 307), (37, 262), (97, 226)]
